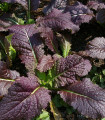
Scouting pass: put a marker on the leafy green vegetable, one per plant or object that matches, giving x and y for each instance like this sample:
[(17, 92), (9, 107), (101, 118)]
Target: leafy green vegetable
[(43, 116)]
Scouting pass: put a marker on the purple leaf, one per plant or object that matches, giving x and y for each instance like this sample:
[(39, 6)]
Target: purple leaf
[(57, 21), (4, 22), (6, 73), (34, 4), (86, 97), (100, 16), (26, 40), (96, 5), (45, 64), (95, 48), (24, 100), (67, 68), (58, 4), (79, 13), (50, 40)]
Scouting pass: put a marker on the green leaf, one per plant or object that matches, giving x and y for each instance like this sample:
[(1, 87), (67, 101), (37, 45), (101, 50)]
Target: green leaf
[(12, 51), (4, 6), (30, 21), (42, 77), (103, 119), (103, 71), (9, 38), (43, 116), (20, 21), (65, 46)]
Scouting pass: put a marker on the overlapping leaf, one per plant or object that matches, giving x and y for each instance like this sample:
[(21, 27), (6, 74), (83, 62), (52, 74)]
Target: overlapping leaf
[(5, 78), (4, 22), (95, 48), (35, 4), (86, 97), (24, 100), (79, 13), (4, 85), (45, 64), (50, 40), (59, 4), (27, 42), (100, 16), (6, 73), (96, 5), (58, 21), (67, 69)]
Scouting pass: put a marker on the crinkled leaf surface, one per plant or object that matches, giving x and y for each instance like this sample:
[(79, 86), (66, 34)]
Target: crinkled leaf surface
[(45, 64), (67, 69), (79, 13), (24, 100), (50, 40), (95, 48), (6, 73), (58, 20), (59, 4), (100, 16), (96, 5), (5, 78), (27, 42), (86, 97)]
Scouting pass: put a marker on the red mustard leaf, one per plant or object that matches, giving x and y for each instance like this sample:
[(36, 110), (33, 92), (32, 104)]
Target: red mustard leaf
[(5, 78), (4, 22), (58, 4), (26, 40), (25, 100), (79, 13), (58, 20), (34, 4), (86, 97), (67, 68), (95, 48), (96, 5), (100, 16), (6, 73), (50, 39), (45, 64)]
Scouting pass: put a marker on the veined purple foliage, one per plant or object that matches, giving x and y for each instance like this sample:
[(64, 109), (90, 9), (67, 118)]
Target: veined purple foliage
[(58, 20), (86, 97), (79, 13)]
